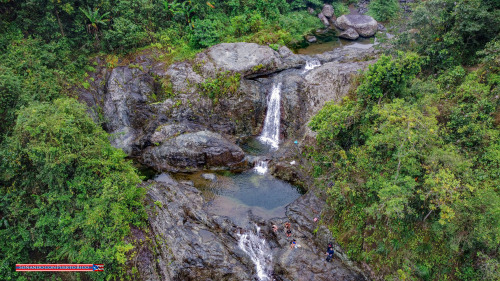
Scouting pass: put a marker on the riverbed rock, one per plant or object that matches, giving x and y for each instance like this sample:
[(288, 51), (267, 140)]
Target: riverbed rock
[(335, 83), (323, 19), (328, 11), (349, 33), (310, 10), (311, 38), (365, 26), (194, 151), (186, 243), (210, 177)]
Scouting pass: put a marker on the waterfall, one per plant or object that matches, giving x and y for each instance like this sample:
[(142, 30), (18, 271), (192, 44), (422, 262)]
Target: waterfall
[(261, 167), (259, 253), (311, 64), (271, 132)]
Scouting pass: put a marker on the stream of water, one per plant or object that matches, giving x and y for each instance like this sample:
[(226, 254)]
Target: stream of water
[(271, 131), (259, 252), (311, 64)]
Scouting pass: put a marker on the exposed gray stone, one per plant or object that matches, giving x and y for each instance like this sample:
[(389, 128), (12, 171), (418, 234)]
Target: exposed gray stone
[(365, 26), (124, 109), (210, 177), (311, 38), (191, 244), (194, 151), (328, 11), (323, 19), (349, 33)]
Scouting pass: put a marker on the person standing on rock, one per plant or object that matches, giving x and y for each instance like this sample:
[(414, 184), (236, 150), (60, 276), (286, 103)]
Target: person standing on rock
[(288, 229), (292, 244), (275, 228), (329, 253)]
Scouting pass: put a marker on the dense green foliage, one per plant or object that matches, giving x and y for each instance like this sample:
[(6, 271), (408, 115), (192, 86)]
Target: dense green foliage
[(451, 32), (383, 10), (411, 159), (67, 195), (223, 85), (122, 24)]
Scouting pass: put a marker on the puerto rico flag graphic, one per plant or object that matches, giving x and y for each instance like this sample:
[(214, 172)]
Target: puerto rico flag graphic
[(98, 267)]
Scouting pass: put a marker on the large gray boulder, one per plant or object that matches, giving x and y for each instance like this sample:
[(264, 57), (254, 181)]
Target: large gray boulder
[(365, 26), (323, 19), (328, 11), (194, 151), (350, 34), (330, 82), (243, 58)]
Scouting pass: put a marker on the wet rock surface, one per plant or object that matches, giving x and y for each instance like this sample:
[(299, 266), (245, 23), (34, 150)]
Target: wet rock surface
[(191, 244), (158, 115), (148, 106)]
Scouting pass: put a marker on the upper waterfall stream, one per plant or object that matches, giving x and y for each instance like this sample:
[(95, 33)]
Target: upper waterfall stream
[(271, 131)]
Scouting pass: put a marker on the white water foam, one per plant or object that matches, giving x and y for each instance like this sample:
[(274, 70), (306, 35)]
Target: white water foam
[(271, 131), (311, 64), (261, 167), (259, 253)]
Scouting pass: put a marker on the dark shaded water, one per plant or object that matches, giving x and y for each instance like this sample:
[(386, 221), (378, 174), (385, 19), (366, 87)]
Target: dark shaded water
[(319, 48)]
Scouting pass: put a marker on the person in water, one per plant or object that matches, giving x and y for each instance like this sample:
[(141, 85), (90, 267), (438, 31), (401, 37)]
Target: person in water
[(329, 252)]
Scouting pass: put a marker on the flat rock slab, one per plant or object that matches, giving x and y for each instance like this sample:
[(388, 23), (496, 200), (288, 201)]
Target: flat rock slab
[(194, 151), (242, 57)]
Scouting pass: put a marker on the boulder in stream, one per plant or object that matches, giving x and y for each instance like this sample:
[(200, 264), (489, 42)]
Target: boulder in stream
[(323, 19), (365, 26), (349, 33), (328, 11)]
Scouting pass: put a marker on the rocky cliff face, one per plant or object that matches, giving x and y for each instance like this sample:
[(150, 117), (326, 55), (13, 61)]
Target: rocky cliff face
[(148, 107), (190, 116), (191, 244)]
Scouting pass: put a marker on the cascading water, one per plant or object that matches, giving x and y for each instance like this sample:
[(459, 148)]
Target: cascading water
[(261, 167), (271, 132), (311, 64), (259, 253)]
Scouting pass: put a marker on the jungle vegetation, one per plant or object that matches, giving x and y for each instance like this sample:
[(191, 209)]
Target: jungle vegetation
[(410, 160)]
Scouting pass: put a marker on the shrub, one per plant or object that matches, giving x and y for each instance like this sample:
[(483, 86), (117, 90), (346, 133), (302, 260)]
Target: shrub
[(66, 195), (383, 10), (206, 33)]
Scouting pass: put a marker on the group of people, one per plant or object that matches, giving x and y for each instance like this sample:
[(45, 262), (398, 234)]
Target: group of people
[(293, 242), (288, 232)]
